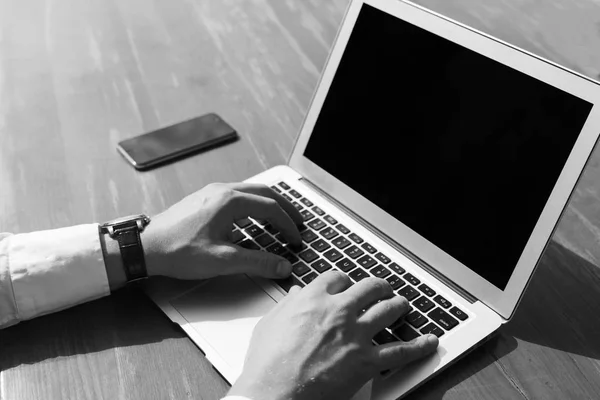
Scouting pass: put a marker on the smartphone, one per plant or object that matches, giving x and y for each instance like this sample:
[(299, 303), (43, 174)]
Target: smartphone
[(177, 141)]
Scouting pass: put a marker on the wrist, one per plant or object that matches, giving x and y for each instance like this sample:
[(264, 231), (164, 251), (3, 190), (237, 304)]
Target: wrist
[(115, 270), (123, 250), (256, 389), (153, 253)]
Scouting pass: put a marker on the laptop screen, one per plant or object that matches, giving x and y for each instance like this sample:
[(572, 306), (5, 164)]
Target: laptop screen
[(462, 149)]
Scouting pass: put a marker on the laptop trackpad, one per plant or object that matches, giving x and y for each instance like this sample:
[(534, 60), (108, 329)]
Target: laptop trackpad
[(224, 311)]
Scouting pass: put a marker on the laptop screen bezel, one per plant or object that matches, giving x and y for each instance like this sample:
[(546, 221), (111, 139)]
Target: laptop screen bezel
[(504, 302)]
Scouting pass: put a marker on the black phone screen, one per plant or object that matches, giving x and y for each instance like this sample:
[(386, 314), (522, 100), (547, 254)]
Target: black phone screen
[(176, 141)]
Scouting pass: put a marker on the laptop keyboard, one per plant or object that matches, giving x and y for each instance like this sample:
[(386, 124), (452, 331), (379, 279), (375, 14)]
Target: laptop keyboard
[(327, 244)]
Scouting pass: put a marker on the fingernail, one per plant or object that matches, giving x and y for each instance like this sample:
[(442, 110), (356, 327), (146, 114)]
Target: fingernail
[(284, 268), (432, 340)]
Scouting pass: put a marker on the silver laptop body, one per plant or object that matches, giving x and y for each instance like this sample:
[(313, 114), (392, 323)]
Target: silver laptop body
[(434, 156)]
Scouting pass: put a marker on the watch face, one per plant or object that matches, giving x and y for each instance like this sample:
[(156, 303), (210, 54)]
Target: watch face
[(130, 218)]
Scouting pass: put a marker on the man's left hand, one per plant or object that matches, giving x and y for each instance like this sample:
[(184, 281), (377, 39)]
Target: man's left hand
[(192, 239)]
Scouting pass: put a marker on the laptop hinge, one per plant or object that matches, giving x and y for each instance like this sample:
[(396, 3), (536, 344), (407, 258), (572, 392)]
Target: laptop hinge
[(457, 289)]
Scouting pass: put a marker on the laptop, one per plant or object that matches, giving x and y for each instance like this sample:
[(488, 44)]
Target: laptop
[(433, 156)]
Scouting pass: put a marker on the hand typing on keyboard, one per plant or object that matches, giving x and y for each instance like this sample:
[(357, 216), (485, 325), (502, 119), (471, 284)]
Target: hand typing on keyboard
[(193, 238), (316, 343)]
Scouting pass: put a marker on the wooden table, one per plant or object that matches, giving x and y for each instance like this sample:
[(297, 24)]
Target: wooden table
[(78, 76)]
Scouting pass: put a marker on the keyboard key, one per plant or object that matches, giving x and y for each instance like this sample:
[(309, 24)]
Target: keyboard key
[(432, 328), (329, 233), (341, 242), (297, 249), (297, 206), (265, 240), (354, 252), (443, 319), (396, 268), (442, 301), (249, 244), (458, 313), (309, 236), (280, 237), (284, 186), (306, 202), (321, 266), (416, 319), (320, 245), (383, 258), (287, 283), (409, 292), (276, 249), (380, 272), (318, 211), (369, 248), (423, 304), (271, 229), (384, 337), (366, 262), (254, 230), (309, 255), (427, 290), (396, 282), (397, 322), (330, 219), (317, 224), (343, 229), (358, 274), (300, 269), (290, 257), (412, 279), (405, 333), (275, 188), (301, 227), (237, 236), (288, 198), (295, 194), (262, 222), (345, 265), (355, 238), (310, 277), (332, 255), (244, 222)]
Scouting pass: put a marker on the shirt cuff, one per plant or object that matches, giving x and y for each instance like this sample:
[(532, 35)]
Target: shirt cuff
[(56, 269)]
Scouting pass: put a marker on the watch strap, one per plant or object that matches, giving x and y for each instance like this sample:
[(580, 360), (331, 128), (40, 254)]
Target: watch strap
[(132, 252)]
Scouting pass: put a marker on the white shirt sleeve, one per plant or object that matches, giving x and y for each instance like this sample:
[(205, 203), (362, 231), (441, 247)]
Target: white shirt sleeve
[(47, 271)]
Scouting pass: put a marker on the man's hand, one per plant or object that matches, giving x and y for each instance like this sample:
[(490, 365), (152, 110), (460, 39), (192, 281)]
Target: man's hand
[(192, 239), (316, 343)]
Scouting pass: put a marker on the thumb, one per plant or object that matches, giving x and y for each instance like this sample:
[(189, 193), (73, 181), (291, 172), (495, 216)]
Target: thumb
[(257, 263)]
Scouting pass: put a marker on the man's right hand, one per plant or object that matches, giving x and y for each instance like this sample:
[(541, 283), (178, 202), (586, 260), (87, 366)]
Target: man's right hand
[(316, 343)]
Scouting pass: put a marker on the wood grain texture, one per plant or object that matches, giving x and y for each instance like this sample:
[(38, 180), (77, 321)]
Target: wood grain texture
[(78, 76)]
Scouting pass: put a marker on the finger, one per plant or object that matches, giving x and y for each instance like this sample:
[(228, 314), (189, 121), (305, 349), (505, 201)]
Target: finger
[(260, 207), (258, 263), (265, 191), (294, 289), (397, 355), (290, 294), (383, 314), (367, 292), (333, 282)]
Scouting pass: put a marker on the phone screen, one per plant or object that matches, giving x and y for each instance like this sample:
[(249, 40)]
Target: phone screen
[(176, 141)]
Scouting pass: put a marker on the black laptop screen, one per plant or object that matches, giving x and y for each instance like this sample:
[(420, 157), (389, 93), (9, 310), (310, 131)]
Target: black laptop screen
[(463, 150)]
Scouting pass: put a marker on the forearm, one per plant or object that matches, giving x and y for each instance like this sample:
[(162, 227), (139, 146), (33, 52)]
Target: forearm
[(43, 272)]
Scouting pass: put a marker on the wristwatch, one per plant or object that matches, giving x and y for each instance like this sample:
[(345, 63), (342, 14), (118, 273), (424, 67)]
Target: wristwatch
[(127, 231)]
